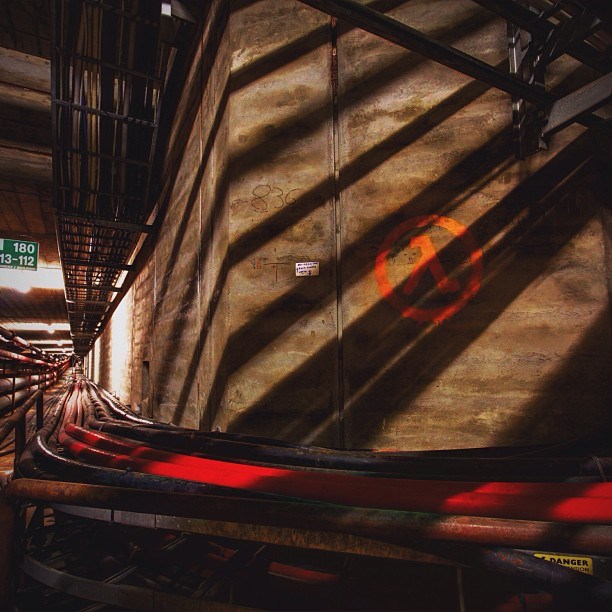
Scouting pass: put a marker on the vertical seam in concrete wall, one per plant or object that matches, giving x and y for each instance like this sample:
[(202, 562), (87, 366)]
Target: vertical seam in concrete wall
[(152, 342), (606, 224), (132, 398), (201, 273), (209, 275), (337, 230)]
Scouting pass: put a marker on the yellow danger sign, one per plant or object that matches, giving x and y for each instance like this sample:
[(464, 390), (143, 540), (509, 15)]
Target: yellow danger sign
[(580, 564)]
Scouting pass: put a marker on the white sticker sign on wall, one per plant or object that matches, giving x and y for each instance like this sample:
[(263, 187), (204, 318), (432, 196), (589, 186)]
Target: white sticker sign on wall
[(307, 268)]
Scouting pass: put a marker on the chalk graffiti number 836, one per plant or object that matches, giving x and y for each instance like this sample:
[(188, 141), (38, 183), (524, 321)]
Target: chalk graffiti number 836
[(270, 197)]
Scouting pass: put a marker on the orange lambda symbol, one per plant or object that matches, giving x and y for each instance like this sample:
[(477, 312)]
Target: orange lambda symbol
[(429, 261)]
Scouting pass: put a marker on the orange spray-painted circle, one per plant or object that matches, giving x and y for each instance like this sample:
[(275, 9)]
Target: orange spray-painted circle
[(442, 313)]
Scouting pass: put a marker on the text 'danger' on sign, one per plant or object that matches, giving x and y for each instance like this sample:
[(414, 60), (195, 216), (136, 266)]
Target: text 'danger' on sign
[(575, 562), (18, 254), (428, 268)]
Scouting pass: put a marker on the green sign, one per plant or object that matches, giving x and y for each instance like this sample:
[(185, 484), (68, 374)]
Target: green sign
[(18, 254)]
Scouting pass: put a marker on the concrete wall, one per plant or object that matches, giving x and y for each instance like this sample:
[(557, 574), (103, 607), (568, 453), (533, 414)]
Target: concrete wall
[(462, 297), (525, 357)]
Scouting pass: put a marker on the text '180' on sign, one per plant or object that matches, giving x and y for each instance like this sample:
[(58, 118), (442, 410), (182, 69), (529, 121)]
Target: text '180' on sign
[(18, 254)]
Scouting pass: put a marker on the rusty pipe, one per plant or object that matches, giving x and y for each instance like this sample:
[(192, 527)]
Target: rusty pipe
[(395, 527), (10, 402), (7, 521), (15, 339), (8, 385), (9, 423), (18, 357)]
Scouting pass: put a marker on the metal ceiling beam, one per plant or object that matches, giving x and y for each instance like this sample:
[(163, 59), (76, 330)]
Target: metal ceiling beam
[(588, 98), (403, 35), (122, 161), (103, 288), (141, 228), (88, 309), (86, 263), (92, 302), (117, 69), (528, 20), (101, 113)]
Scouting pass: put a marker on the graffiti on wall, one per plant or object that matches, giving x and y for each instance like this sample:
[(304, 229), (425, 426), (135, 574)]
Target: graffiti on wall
[(428, 268), (270, 197)]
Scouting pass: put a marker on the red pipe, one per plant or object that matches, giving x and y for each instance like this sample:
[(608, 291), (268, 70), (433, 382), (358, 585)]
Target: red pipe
[(381, 525), (567, 502)]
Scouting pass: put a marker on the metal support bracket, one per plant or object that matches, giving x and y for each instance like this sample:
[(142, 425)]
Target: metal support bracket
[(527, 117), (530, 52), (563, 112)]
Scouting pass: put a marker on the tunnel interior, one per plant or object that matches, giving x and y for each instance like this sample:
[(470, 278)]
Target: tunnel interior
[(325, 267)]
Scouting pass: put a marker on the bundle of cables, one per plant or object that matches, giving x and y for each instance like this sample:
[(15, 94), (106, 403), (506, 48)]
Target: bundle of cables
[(448, 503)]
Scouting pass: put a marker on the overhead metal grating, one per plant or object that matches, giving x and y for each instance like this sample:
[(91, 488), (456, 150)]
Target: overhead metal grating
[(108, 69)]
